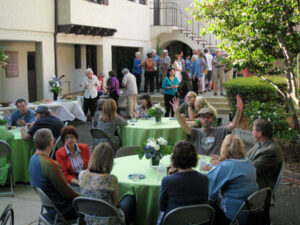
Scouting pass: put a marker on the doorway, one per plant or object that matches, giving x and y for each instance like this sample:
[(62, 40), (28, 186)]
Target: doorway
[(31, 77), (91, 57)]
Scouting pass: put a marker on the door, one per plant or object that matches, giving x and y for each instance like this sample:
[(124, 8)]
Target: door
[(156, 11), (91, 57), (31, 76)]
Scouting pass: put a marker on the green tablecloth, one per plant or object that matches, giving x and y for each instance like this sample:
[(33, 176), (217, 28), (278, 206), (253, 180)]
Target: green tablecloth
[(21, 153), (137, 133), (145, 190)]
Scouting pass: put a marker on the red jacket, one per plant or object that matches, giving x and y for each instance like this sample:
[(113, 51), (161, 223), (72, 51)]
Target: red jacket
[(64, 161)]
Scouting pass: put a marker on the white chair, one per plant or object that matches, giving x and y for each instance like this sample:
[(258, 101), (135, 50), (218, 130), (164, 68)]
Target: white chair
[(7, 216), (190, 215), (5, 151), (58, 144), (100, 134), (280, 172)]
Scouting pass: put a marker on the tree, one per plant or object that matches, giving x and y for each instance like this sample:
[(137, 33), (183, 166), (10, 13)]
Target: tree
[(3, 58), (255, 33)]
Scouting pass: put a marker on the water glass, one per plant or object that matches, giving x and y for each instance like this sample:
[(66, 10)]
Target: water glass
[(161, 170)]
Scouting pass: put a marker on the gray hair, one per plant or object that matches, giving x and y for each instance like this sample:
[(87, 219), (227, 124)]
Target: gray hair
[(165, 51), (137, 53), (194, 57), (153, 50), (102, 74), (125, 71), (89, 70), (42, 138)]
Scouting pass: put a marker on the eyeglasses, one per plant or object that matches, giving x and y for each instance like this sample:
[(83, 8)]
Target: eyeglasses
[(69, 137), (205, 116)]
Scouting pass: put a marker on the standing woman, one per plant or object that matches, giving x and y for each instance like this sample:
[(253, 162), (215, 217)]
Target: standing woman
[(113, 87), (203, 67), (91, 84), (178, 67), (149, 66), (185, 86), (170, 85), (137, 69)]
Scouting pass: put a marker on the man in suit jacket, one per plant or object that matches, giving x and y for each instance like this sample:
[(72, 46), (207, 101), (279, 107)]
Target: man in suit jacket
[(266, 154)]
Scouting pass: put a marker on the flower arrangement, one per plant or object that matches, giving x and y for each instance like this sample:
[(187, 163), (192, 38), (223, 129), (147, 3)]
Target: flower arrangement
[(154, 149), (3, 58), (156, 110), (55, 85), (2, 119)]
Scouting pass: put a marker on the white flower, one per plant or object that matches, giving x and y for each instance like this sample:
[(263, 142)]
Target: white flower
[(151, 140), (259, 112), (162, 141), (57, 83), (53, 77), (156, 147)]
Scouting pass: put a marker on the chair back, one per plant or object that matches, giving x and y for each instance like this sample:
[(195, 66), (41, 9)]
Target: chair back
[(126, 151), (258, 202), (7, 215), (4, 149), (58, 144), (95, 207), (280, 172), (99, 134), (190, 215)]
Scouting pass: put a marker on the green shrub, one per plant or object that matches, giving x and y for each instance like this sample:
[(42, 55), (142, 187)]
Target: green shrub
[(253, 88), (276, 114)]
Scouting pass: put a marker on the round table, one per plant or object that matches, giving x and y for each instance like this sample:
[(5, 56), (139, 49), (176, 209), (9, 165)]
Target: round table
[(22, 151), (145, 190), (137, 133)]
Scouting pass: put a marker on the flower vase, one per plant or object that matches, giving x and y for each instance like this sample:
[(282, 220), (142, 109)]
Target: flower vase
[(158, 118), (154, 162), (55, 95)]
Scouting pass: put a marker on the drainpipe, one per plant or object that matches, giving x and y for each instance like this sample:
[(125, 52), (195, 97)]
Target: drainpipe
[(55, 36)]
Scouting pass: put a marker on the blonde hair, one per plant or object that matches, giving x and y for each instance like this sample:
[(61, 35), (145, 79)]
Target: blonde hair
[(102, 159), (201, 102), (109, 110), (232, 148)]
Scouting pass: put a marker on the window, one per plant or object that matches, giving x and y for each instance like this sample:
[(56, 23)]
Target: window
[(102, 2), (143, 2), (77, 56)]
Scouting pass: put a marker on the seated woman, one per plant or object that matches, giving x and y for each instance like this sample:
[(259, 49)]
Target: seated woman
[(72, 157), (187, 186), (109, 121), (185, 86), (98, 112), (231, 181), (142, 110), (97, 182), (187, 109)]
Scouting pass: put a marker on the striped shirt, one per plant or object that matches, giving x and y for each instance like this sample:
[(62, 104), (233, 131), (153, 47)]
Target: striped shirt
[(76, 160)]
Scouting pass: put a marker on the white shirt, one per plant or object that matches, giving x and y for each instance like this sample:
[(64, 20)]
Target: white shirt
[(209, 59), (91, 90), (130, 82)]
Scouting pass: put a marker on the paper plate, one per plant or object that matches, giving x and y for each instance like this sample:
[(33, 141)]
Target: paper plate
[(136, 176)]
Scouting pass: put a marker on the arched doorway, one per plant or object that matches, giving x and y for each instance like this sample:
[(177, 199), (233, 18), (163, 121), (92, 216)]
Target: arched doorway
[(176, 47)]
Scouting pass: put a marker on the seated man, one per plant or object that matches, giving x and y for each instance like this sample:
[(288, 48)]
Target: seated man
[(207, 139), (47, 175), (22, 115), (44, 120), (187, 109), (266, 154)]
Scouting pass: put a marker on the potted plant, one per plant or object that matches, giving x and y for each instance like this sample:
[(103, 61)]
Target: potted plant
[(156, 111)]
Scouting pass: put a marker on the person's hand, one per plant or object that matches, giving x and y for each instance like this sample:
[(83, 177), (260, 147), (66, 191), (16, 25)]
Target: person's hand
[(23, 129), (215, 159), (21, 122), (239, 103), (175, 104), (171, 170), (29, 125)]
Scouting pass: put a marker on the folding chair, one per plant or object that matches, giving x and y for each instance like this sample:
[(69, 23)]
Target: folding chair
[(7, 215), (98, 133), (190, 215), (58, 144), (5, 151), (126, 151), (280, 172), (96, 209), (45, 217), (257, 203)]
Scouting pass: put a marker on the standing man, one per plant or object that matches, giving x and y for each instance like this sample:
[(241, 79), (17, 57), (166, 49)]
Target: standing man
[(219, 72), (207, 139), (137, 69), (166, 63), (209, 60), (157, 60), (22, 116), (129, 82), (266, 154), (196, 73), (46, 174)]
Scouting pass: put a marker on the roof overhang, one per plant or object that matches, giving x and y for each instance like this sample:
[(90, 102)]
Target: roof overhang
[(86, 30)]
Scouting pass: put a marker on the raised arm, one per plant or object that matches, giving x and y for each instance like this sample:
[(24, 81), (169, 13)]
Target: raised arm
[(238, 114), (180, 119)]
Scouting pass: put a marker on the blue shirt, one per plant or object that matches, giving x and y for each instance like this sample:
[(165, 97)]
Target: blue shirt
[(188, 65), (168, 83), (196, 69), (157, 60), (232, 181), (137, 66), (29, 117)]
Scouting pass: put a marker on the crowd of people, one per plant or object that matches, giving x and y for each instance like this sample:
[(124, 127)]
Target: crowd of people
[(78, 170)]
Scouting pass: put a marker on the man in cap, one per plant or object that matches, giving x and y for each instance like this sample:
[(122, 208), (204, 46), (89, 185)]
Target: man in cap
[(207, 139), (44, 120)]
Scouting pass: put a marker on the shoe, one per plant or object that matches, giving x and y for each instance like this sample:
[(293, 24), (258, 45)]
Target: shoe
[(215, 94), (208, 89)]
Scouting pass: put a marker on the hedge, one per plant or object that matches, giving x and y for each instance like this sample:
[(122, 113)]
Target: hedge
[(254, 88)]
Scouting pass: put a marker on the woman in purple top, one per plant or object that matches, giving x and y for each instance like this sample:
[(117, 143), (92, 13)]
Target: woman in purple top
[(113, 87)]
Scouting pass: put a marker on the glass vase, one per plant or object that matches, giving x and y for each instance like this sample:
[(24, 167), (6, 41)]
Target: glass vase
[(55, 95), (154, 162), (158, 118)]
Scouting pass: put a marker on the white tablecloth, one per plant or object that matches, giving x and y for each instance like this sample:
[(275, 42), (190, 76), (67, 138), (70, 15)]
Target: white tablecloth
[(65, 110)]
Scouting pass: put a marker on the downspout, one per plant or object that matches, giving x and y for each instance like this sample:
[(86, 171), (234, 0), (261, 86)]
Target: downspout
[(55, 36)]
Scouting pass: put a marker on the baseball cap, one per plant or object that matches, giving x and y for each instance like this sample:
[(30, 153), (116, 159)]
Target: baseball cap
[(42, 109), (204, 111)]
